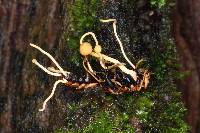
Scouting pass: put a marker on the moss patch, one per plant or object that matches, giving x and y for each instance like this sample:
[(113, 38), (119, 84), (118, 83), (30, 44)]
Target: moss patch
[(82, 19), (158, 3), (157, 109)]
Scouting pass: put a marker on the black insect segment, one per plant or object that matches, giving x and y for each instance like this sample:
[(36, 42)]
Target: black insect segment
[(112, 80)]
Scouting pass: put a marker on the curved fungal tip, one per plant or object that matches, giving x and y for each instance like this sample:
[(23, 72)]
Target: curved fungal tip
[(34, 61)]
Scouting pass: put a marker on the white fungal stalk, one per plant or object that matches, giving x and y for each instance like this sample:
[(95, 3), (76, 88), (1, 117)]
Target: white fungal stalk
[(44, 69), (52, 93), (50, 57), (104, 58), (89, 33), (50, 71), (115, 61), (116, 35)]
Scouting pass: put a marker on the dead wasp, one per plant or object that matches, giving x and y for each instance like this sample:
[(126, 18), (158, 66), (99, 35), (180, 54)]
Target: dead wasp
[(119, 82), (130, 79), (111, 80), (82, 82), (115, 78)]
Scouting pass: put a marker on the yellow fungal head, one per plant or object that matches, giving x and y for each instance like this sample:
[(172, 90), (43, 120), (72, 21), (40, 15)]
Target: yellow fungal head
[(97, 49), (85, 48)]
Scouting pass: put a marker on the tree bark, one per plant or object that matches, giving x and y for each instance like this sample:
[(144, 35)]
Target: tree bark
[(187, 36), (22, 86), (23, 22)]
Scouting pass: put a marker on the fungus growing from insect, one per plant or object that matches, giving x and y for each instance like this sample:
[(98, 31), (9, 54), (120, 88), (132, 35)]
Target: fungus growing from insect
[(86, 50), (51, 71), (104, 58)]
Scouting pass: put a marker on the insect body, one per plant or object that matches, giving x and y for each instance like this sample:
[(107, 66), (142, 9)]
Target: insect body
[(85, 82), (113, 81), (121, 82), (115, 78)]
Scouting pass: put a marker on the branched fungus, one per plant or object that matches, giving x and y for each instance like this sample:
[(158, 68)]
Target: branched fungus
[(136, 82), (53, 72)]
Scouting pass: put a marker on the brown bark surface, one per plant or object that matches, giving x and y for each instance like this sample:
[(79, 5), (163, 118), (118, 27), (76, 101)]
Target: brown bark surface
[(187, 36), (22, 86), (21, 92)]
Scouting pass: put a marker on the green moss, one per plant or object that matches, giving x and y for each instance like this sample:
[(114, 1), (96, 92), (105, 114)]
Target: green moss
[(157, 109), (82, 18), (167, 114), (143, 105), (104, 123), (158, 3)]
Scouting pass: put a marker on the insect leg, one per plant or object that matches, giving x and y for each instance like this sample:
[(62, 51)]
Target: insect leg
[(90, 70)]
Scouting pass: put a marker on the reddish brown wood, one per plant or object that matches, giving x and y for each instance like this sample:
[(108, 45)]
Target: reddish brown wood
[(187, 36), (21, 92)]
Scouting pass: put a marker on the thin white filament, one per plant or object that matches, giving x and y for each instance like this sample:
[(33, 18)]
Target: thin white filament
[(116, 35), (50, 57), (89, 33), (44, 69), (90, 70), (52, 93), (52, 69), (103, 64), (115, 61)]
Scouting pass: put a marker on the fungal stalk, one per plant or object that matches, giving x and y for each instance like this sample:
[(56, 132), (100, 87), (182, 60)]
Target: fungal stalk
[(96, 52), (52, 93), (51, 71), (117, 37)]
